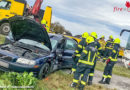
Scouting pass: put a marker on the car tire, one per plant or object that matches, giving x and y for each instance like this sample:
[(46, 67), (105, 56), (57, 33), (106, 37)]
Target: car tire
[(44, 71), (5, 28)]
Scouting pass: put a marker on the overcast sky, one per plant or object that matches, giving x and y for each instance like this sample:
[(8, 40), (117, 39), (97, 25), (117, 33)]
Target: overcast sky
[(80, 16)]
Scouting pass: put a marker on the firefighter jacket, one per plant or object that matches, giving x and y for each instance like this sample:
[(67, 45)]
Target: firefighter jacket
[(102, 43), (82, 44), (115, 52), (109, 44), (88, 56)]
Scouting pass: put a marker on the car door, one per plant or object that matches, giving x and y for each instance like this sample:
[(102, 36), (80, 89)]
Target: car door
[(69, 49)]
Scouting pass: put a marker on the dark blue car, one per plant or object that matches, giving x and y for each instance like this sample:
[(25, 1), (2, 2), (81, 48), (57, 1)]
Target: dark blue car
[(31, 49)]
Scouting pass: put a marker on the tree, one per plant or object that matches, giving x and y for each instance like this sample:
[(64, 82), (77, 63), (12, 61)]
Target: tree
[(59, 29)]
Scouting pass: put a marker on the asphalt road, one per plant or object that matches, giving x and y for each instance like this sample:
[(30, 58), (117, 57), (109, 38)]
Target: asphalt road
[(117, 82)]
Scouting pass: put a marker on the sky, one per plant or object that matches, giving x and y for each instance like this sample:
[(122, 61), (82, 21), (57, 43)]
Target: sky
[(79, 16)]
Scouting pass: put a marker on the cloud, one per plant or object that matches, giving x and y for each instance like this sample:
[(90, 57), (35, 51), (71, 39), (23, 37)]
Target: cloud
[(79, 16)]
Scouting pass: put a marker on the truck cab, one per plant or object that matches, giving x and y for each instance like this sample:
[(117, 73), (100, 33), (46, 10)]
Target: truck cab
[(10, 8)]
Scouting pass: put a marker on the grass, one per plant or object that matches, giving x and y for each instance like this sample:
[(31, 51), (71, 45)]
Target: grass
[(61, 81), (2, 39), (118, 70)]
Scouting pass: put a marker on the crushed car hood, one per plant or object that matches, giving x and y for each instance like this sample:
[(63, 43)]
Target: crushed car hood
[(25, 28)]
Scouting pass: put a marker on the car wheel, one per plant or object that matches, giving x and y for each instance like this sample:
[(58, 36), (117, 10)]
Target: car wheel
[(44, 71), (5, 28)]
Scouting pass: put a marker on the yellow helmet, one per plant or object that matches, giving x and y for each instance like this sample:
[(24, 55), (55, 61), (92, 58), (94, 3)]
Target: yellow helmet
[(102, 36), (90, 39), (85, 35), (111, 36), (43, 22), (117, 40), (94, 34)]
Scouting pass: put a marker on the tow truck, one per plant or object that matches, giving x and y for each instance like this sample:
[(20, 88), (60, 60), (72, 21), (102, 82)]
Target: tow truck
[(10, 8)]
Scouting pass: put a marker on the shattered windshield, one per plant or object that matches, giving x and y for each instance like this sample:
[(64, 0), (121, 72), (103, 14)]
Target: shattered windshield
[(5, 4), (53, 43), (128, 43), (34, 43)]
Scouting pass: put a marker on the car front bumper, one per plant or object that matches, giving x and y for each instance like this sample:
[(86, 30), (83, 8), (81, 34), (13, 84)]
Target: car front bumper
[(15, 67)]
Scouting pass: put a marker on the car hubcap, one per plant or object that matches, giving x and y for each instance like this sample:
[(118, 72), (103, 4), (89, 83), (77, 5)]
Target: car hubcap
[(6, 29)]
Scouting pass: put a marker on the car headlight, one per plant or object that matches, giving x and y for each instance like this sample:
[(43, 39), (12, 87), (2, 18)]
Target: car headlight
[(26, 61)]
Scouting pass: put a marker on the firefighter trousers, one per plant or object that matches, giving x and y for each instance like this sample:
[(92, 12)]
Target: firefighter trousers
[(75, 63)]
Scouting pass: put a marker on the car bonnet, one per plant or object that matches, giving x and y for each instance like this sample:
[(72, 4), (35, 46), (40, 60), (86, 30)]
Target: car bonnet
[(25, 28)]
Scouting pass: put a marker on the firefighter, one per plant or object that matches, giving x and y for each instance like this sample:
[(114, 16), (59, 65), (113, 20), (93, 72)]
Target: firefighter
[(85, 63), (91, 74), (44, 23), (110, 63), (103, 44), (108, 48), (82, 44)]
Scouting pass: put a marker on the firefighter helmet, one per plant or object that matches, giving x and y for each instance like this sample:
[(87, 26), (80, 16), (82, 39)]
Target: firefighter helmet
[(90, 39), (111, 36), (94, 34), (85, 35), (43, 22), (117, 40)]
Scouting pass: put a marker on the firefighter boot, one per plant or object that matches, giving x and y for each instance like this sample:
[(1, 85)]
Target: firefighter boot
[(107, 81), (102, 81), (89, 82), (81, 87), (73, 85)]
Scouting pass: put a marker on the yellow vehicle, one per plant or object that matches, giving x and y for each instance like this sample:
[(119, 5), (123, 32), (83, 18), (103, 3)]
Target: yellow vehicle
[(10, 8), (76, 39)]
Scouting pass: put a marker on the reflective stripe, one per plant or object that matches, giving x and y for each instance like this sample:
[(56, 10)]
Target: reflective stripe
[(89, 56), (83, 83), (83, 47), (113, 59), (104, 58), (86, 62), (82, 75), (78, 55), (76, 51), (114, 51), (85, 51), (75, 81), (94, 57), (100, 48), (108, 48), (109, 76), (104, 76), (73, 69), (91, 74), (80, 46)]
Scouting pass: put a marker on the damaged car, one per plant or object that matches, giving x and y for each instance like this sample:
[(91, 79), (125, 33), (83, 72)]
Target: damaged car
[(31, 49)]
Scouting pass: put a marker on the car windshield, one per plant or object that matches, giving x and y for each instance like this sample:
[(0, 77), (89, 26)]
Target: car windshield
[(34, 43), (53, 42), (128, 43), (5, 4)]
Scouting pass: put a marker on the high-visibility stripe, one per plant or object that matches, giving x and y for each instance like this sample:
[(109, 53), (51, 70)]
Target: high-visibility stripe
[(89, 56), (108, 48), (78, 55), (109, 76), (82, 75), (75, 81), (83, 47), (114, 51), (104, 76), (100, 48), (91, 74), (76, 51), (80, 46), (85, 51), (112, 59), (86, 62), (73, 69), (94, 57), (83, 83)]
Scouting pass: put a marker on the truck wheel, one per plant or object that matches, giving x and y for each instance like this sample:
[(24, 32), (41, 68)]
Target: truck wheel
[(44, 71), (5, 28)]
